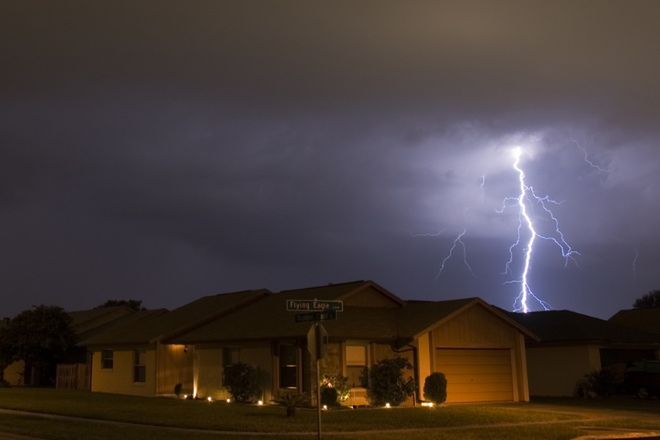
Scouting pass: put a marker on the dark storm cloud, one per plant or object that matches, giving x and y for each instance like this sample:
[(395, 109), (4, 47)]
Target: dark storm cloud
[(166, 150)]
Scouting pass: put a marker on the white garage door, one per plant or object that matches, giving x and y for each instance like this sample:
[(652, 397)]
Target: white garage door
[(476, 375)]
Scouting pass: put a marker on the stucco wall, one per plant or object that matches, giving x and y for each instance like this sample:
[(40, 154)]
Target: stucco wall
[(554, 371), (119, 379), (209, 369), (175, 366)]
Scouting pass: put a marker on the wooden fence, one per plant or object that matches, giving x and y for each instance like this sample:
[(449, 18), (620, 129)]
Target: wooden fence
[(72, 376)]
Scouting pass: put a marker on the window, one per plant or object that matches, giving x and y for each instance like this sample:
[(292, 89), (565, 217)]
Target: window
[(356, 365), (106, 359), (139, 368), (229, 356), (288, 366)]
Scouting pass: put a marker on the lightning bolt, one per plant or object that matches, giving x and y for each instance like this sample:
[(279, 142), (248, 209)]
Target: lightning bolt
[(458, 240), (525, 196), (588, 161), (634, 264)]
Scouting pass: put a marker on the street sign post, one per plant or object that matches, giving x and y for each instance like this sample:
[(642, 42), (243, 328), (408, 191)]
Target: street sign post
[(315, 310)]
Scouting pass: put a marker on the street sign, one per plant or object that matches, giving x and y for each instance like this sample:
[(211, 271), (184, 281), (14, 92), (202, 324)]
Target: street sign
[(314, 305), (317, 341), (316, 316)]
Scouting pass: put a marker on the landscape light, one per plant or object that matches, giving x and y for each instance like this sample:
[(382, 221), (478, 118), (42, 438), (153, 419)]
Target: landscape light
[(185, 397), (209, 399), (428, 404), (325, 407), (228, 400), (260, 403), (387, 405)]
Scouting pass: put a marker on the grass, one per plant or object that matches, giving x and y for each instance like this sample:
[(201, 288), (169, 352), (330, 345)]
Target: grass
[(233, 417), (552, 418)]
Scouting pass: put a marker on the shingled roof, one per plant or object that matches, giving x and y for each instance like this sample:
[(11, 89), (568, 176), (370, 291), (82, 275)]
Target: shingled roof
[(565, 326), (647, 320), (149, 326), (88, 322)]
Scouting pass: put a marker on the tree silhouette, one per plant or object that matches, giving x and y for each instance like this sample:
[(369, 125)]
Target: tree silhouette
[(134, 304), (649, 301)]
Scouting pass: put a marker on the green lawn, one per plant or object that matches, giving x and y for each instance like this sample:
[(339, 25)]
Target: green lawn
[(553, 419)]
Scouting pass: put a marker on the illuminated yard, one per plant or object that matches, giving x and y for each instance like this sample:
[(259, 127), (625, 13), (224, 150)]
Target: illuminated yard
[(163, 416)]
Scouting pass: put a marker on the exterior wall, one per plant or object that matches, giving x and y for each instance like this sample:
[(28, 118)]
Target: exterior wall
[(476, 328), (119, 379), (175, 366), (554, 371), (209, 369), (14, 373)]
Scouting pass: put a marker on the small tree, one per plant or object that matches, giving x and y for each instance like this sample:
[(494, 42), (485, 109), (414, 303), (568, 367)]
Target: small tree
[(242, 381), (649, 301), (7, 350), (41, 337), (388, 384), (435, 388)]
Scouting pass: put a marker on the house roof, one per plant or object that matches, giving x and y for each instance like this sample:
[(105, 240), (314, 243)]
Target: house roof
[(565, 326), (87, 322), (647, 320), (268, 318), (149, 326)]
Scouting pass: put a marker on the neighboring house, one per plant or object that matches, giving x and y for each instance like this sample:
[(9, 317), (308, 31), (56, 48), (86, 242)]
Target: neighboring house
[(84, 323), (646, 320), (130, 358), (480, 349), (572, 344)]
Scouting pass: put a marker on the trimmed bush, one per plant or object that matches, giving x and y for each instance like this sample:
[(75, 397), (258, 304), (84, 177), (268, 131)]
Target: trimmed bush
[(241, 381), (388, 384), (334, 389), (600, 383), (435, 388)]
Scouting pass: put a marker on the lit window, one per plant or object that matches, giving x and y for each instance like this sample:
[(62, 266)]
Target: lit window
[(356, 365), (139, 366), (288, 366), (106, 359)]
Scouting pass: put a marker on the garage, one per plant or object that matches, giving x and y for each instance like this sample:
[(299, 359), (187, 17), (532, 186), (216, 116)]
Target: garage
[(476, 375)]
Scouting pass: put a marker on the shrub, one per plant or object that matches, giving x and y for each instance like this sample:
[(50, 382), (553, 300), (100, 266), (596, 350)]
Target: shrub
[(600, 383), (241, 382), (388, 384), (435, 388), (334, 389), (291, 400)]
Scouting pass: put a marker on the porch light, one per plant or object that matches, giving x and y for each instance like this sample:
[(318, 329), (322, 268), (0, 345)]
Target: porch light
[(260, 403), (387, 405)]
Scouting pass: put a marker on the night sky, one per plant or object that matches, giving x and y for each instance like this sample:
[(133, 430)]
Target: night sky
[(168, 150)]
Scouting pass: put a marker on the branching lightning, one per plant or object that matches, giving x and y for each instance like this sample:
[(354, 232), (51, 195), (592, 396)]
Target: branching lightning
[(588, 161), (522, 200), (458, 240)]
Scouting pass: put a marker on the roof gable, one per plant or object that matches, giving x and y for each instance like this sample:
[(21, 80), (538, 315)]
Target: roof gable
[(647, 320)]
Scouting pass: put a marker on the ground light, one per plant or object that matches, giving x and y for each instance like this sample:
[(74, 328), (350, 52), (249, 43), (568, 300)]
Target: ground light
[(185, 397), (228, 400), (428, 404), (209, 399), (325, 407), (260, 403), (387, 405)]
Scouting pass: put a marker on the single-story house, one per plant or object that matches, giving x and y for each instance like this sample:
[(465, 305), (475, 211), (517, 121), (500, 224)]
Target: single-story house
[(130, 358), (572, 345), (480, 349), (84, 323), (646, 320)]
